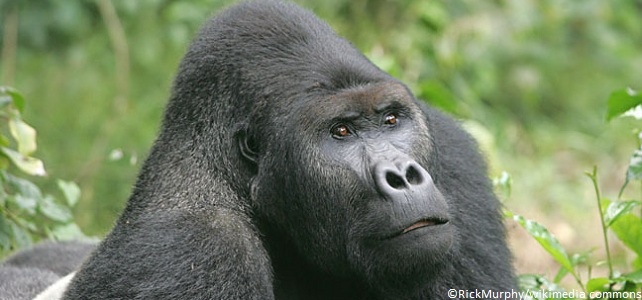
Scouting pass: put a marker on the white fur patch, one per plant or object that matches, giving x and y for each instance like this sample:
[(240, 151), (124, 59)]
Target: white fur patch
[(57, 289)]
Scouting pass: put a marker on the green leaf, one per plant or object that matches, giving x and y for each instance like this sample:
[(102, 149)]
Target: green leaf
[(25, 194), (27, 225), (27, 204), (628, 228), (54, 211), (576, 259), (622, 101), (529, 282), (24, 134), (597, 284), (537, 284), (4, 162), (5, 100), (3, 197), (504, 182), (69, 231), (561, 273), (5, 233), (615, 210), (18, 100), (4, 141), (634, 171), (71, 191), (546, 240), (23, 187), (635, 277), (29, 165), (635, 166), (21, 236)]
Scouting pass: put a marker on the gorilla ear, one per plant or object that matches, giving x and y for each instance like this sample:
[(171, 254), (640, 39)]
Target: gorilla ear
[(248, 146)]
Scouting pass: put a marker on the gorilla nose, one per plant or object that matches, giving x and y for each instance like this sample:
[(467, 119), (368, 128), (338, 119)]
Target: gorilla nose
[(399, 179), (403, 177)]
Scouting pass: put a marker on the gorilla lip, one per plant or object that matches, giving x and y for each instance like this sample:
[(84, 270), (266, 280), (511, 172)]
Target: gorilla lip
[(424, 223)]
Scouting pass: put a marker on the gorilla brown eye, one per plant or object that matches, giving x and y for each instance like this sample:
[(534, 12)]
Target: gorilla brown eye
[(340, 131), (391, 119)]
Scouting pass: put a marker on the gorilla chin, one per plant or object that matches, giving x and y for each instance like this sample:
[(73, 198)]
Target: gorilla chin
[(414, 243), (400, 267)]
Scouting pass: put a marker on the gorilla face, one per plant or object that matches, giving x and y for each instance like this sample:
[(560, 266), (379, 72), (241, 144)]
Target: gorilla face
[(356, 195)]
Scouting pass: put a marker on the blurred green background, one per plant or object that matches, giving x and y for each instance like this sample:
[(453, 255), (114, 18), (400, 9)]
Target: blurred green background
[(529, 78)]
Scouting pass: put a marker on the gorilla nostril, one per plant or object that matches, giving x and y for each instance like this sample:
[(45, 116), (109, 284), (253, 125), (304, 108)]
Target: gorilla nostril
[(413, 176), (395, 181)]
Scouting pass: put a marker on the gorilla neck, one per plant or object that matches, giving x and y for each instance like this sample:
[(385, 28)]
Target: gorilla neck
[(297, 278), (297, 282)]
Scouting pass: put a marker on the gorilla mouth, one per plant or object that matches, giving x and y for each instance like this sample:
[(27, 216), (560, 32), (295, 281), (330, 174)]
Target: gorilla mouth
[(424, 223)]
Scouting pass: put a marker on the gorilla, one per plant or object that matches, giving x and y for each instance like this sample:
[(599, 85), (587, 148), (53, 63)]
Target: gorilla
[(25, 274), (288, 166), (24, 283), (60, 258)]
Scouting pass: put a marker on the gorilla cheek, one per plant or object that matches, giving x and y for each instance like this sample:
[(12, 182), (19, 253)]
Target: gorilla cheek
[(311, 216)]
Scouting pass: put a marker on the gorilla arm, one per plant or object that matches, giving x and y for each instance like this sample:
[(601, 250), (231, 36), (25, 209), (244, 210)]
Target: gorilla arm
[(178, 255), (185, 234)]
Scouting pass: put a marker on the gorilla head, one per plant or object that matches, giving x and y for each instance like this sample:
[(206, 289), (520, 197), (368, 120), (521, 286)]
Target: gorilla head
[(290, 167), (349, 188)]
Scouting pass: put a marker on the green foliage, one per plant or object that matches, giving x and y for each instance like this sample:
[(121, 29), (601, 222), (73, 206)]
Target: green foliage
[(627, 226), (26, 213), (614, 210), (621, 102), (618, 216), (505, 184), (546, 239)]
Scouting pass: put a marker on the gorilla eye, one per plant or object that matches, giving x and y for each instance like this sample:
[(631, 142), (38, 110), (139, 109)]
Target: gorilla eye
[(391, 119), (340, 130)]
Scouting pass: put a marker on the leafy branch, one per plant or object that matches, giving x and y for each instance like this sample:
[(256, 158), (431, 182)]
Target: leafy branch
[(26, 213)]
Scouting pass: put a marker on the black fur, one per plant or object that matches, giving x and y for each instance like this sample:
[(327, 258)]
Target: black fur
[(247, 194)]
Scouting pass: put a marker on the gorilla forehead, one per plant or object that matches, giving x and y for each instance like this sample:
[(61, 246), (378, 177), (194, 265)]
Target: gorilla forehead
[(256, 52)]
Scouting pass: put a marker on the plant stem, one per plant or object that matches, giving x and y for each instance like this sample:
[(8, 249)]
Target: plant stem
[(593, 177), (638, 135)]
